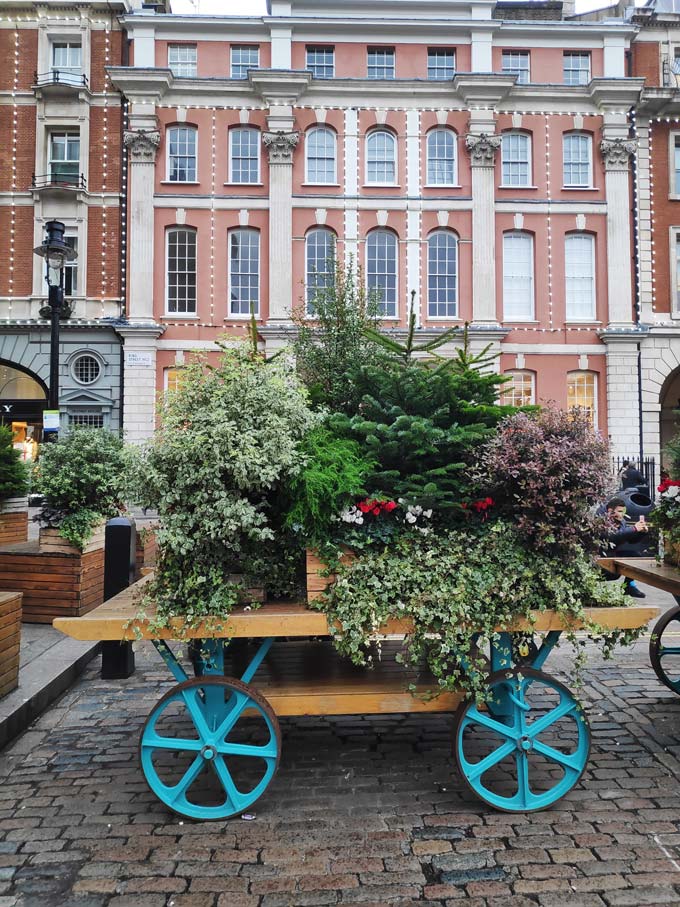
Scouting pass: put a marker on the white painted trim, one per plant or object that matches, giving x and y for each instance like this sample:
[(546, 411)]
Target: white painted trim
[(240, 315), (529, 136), (230, 132), (593, 295), (555, 349), (326, 128), (589, 136), (372, 131), (166, 135), (166, 311), (454, 184)]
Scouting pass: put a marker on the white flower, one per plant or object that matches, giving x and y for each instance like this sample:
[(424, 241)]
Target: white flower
[(427, 513), (673, 491), (411, 518), (359, 520)]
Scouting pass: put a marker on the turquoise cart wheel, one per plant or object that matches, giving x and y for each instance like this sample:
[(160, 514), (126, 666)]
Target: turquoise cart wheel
[(210, 747), (534, 748), (664, 656)]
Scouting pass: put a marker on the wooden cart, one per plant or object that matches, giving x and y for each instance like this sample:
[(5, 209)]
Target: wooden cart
[(211, 746)]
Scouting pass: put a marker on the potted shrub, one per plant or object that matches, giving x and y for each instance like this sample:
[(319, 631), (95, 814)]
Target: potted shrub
[(13, 491)]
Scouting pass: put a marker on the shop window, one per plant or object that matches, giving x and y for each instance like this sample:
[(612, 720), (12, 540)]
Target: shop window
[(320, 263), (579, 274), (182, 154), (381, 269), (520, 390), (582, 393), (442, 275), (441, 157), (518, 276)]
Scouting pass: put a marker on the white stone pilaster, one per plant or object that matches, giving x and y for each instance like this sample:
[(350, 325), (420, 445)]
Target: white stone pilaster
[(280, 144), (351, 185), (616, 153), (644, 213), (623, 411), (139, 381), (142, 146), (482, 147), (413, 182)]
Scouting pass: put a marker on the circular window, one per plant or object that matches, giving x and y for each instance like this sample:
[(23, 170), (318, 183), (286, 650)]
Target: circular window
[(86, 369)]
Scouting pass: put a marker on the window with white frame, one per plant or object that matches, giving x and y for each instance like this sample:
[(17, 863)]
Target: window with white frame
[(441, 63), (67, 62), (381, 269), (579, 276), (518, 276), (381, 157), (320, 156), (515, 159), (577, 157), (675, 259), (71, 268), (86, 419), (64, 162), (182, 154), (576, 68), (319, 263), (516, 63), (181, 271), (441, 157), (582, 393), (244, 271), (321, 61), (380, 62), (174, 377), (182, 60), (675, 169), (244, 155), (243, 58), (520, 390), (442, 274)]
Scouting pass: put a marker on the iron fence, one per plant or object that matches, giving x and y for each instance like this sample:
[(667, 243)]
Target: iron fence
[(646, 466)]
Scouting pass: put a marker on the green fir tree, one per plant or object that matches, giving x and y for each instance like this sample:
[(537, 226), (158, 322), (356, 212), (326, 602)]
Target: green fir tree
[(13, 472)]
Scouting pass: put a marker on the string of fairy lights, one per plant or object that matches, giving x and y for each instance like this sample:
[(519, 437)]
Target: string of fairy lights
[(549, 224), (105, 164), (13, 210), (123, 210), (212, 216)]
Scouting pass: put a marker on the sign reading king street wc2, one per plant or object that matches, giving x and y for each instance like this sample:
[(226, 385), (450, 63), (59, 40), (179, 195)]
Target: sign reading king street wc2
[(50, 420)]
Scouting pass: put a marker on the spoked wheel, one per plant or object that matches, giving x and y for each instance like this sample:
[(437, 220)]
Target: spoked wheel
[(532, 751), (664, 656), (210, 747)]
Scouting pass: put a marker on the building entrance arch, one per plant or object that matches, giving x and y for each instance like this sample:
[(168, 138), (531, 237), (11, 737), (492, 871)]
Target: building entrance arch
[(23, 397), (669, 415)]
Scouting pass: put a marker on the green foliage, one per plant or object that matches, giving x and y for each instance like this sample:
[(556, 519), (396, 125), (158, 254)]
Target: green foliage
[(333, 475), (328, 346), (83, 477), (672, 453), (228, 439), (13, 471), (458, 589)]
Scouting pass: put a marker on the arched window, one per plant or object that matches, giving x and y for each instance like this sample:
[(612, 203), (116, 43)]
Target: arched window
[(582, 393), (381, 269), (442, 274), (579, 276), (320, 256), (181, 146), (244, 155), (181, 271), (244, 271), (518, 276), (520, 390), (441, 157), (320, 156), (381, 157), (516, 159), (577, 157)]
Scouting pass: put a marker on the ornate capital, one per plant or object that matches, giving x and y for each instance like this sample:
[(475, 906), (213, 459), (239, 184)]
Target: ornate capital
[(141, 145), (616, 152), (482, 148), (280, 146)]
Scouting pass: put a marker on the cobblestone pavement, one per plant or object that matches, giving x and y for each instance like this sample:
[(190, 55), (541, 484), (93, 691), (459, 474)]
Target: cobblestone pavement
[(366, 811)]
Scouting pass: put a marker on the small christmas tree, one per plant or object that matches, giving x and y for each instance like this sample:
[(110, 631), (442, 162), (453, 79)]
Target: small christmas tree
[(13, 472)]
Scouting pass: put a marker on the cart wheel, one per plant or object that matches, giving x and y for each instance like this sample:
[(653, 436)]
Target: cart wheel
[(210, 747), (534, 754), (665, 659)]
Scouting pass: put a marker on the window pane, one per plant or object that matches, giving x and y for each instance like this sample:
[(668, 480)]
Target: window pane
[(516, 63), (243, 58), (519, 391), (441, 157), (381, 269), (576, 68), (380, 62), (381, 158), (244, 272), (515, 159), (441, 64), (442, 275), (677, 272), (174, 378), (64, 157), (182, 60), (579, 268), (71, 269), (245, 155), (518, 277), (182, 154), (676, 165), (320, 147), (577, 159), (321, 61), (581, 392), (320, 253), (67, 62), (182, 272)]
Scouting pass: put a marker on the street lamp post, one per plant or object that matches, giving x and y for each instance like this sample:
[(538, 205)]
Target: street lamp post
[(56, 252)]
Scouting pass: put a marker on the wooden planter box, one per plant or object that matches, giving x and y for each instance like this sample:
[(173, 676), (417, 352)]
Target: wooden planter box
[(316, 582), (51, 542), (10, 637), (13, 521), (146, 552)]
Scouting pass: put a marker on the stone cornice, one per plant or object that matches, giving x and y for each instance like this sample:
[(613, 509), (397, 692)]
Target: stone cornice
[(279, 87), (482, 89), (615, 93), (150, 329), (139, 83)]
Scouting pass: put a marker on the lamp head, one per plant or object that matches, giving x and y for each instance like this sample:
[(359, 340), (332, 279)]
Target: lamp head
[(54, 249)]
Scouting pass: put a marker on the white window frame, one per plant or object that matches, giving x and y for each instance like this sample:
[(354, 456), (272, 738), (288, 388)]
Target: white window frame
[(512, 133), (174, 229), (252, 130), (238, 66), (518, 373), (508, 279), (187, 64), (377, 49), (594, 375), (251, 231), (454, 314), (572, 316), (673, 181), (386, 314), (586, 135), (71, 267), (334, 176), (440, 51), (518, 71), (68, 136), (674, 260), (317, 48), (74, 74), (168, 172), (370, 135), (454, 137), (577, 53), (309, 286)]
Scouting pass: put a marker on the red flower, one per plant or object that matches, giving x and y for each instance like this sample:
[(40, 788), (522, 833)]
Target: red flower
[(376, 511), (389, 506), (363, 506)]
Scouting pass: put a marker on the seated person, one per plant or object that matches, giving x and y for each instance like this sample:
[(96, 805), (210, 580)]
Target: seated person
[(624, 539)]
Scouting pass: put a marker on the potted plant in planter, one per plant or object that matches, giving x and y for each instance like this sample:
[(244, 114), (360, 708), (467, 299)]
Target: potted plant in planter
[(13, 492)]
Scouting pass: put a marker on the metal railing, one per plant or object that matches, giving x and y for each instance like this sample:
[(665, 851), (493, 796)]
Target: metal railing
[(60, 77), (58, 181), (647, 467)]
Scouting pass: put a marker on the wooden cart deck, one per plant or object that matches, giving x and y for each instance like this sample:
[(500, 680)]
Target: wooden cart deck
[(645, 570)]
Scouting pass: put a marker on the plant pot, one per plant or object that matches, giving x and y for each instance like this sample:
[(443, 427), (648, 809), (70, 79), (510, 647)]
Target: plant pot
[(52, 542), (14, 521), (317, 583), (146, 551), (671, 553), (10, 637)]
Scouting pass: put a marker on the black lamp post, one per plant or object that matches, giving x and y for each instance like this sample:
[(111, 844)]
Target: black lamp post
[(56, 252)]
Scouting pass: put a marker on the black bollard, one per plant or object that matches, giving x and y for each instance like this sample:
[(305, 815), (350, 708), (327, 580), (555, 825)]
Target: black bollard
[(120, 539)]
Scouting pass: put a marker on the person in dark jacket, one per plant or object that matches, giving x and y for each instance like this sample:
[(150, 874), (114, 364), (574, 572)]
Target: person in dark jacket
[(630, 476), (624, 539)]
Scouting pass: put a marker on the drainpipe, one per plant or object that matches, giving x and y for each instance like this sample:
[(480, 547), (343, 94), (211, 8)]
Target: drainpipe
[(636, 265)]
